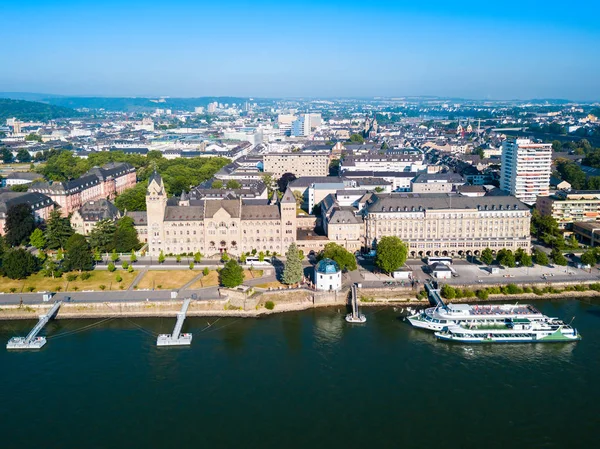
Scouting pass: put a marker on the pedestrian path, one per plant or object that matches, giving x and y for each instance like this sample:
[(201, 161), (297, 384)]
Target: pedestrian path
[(194, 279), (138, 278)]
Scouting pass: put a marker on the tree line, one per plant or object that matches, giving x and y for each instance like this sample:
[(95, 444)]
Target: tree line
[(71, 251)]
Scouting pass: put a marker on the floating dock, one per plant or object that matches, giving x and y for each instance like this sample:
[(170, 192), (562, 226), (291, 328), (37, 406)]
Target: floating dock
[(177, 338), (355, 316), (32, 341)]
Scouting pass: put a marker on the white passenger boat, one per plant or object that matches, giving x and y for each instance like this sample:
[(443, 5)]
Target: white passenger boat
[(520, 330), (437, 318)]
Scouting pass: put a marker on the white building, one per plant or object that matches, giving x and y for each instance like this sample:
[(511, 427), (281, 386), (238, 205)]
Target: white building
[(328, 275), (526, 169), (284, 123)]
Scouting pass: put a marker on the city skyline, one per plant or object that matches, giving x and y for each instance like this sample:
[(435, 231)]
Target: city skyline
[(272, 50)]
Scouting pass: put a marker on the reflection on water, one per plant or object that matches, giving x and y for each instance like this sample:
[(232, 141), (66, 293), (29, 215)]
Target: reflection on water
[(291, 374)]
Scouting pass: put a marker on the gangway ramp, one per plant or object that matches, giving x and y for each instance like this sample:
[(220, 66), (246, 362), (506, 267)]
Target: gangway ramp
[(177, 338), (32, 341), (355, 316), (435, 298)]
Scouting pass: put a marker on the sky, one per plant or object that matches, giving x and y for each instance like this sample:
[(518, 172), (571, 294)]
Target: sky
[(513, 49)]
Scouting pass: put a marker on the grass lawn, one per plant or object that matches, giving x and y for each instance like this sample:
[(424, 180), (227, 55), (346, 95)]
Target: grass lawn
[(212, 279), (167, 279), (41, 283)]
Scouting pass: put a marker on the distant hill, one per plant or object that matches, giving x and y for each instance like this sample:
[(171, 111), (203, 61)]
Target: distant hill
[(139, 104), (33, 111)]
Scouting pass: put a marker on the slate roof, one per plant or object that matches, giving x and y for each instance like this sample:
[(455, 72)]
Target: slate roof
[(98, 210), (411, 202), (35, 200)]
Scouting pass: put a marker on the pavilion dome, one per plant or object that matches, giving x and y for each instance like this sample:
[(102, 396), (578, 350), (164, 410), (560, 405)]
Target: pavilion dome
[(327, 266)]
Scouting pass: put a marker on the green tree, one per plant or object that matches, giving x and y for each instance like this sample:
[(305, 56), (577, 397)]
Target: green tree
[(261, 256), (344, 258), (23, 156), (19, 224), (60, 254), (589, 258), (391, 254), (232, 274), (206, 271), (572, 242), (191, 265), (556, 145), (357, 138), (133, 257), (51, 269), (292, 272), (270, 183), (233, 184), (283, 182), (126, 238), (111, 267), (217, 184), (37, 239), (526, 260), (19, 264), (79, 254), (161, 257), (448, 291), (198, 257), (506, 258), (133, 199), (102, 235), (558, 258), (541, 258), (487, 257), (32, 137), (6, 155), (114, 256), (58, 230)]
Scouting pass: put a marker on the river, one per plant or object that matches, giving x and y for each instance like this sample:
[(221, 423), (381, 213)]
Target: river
[(298, 380)]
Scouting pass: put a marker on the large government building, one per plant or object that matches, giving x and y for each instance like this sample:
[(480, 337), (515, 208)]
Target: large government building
[(235, 226), (448, 224)]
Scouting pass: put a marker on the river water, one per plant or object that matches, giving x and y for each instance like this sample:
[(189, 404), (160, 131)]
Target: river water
[(298, 380)]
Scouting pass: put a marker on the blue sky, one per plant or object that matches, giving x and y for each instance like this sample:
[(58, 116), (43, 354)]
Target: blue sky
[(473, 49)]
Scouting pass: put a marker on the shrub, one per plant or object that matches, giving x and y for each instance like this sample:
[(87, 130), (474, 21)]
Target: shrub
[(580, 287), (512, 289), (121, 287), (59, 288), (206, 271), (269, 305), (102, 287), (13, 289), (178, 258), (595, 287), (448, 292), (118, 278), (111, 267), (130, 269), (85, 276), (527, 290), (135, 287), (159, 286), (482, 294), (466, 293), (75, 288), (125, 265), (191, 265), (30, 289), (71, 277)]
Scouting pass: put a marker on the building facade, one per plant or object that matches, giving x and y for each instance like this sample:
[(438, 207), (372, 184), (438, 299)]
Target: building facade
[(568, 207), (435, 224), (177, 226), (526, 168), (300, 164), (41, 205), (100, 182)]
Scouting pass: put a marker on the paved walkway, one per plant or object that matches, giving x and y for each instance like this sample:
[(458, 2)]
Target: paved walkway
[(137, 279)]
